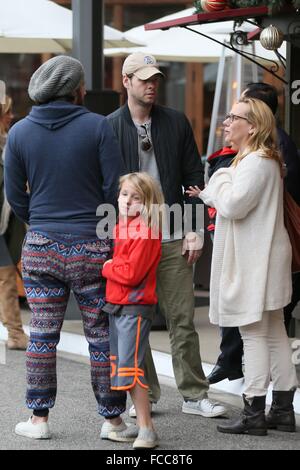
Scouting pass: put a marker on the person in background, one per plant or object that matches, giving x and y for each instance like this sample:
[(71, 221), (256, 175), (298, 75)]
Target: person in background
[(12, 231), (131, 297), (291, 158), (229, 362), (220, 159), (70, 160), (159, 141)]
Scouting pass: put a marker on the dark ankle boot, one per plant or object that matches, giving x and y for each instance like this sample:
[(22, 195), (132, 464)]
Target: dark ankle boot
[(281, 415), (252, 420)]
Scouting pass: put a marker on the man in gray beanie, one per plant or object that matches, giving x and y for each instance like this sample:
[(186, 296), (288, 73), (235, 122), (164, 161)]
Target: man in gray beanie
[(70, 160)]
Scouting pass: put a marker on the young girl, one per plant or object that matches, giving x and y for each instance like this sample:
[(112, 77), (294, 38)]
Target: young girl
[(130, 293)]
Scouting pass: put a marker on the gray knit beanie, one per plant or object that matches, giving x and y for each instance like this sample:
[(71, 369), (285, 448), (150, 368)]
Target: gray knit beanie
[(59, 76)]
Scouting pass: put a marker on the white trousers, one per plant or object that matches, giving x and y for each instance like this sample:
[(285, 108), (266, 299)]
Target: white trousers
[(267, 355)]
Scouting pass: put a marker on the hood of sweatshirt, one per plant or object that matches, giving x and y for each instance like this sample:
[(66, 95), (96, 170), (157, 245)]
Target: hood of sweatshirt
[(56, 114), (223, 152)]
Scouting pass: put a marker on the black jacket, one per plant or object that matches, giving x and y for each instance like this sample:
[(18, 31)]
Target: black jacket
[(178, 161), (291, 158)]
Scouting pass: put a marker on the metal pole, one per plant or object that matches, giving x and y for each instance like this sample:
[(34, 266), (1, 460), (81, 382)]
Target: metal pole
[(254, 66), (88, 20), (215, 110), (239, 76)]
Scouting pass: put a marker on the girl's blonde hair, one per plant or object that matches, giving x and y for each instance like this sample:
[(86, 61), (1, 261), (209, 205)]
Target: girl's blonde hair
[(4, 109), (264, 137), (151, 195)]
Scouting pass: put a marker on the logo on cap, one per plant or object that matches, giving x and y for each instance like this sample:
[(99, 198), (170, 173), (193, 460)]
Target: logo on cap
[(149, 60)]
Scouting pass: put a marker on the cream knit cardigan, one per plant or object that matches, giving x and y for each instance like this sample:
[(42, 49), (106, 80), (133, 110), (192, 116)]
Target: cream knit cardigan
[(251, 261)]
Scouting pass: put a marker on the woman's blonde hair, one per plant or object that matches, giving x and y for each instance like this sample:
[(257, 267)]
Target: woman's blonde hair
[(4, 109), (264, 136), (151, 195)]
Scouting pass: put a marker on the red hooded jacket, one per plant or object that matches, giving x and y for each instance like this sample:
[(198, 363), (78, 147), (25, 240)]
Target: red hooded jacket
[(131, 275)]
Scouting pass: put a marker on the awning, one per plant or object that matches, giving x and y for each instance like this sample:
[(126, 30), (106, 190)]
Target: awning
[(202, 20), (181, 45), (37, 26)]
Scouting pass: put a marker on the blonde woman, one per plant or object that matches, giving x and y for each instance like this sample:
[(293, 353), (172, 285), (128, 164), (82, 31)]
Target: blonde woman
[(251, 265), (131, 297), (12, 232)]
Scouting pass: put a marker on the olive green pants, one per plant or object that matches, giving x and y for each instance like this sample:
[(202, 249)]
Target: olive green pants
[(176, 300)]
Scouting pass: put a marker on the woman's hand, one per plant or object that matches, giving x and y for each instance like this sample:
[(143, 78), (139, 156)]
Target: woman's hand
[(193, 191), (192, 247)]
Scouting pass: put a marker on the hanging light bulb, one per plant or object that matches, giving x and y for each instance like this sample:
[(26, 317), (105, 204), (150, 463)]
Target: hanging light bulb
[(214, 5), (271, 38)]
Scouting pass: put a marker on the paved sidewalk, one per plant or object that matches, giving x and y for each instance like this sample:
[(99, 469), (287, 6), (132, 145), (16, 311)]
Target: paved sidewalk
[(75, 424)]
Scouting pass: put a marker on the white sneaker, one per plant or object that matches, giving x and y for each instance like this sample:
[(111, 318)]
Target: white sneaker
[(33, 431), (132, 412), (108, 427), (204, 407)]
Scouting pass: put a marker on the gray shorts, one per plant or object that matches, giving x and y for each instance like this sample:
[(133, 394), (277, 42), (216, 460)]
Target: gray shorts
[(129, 339)]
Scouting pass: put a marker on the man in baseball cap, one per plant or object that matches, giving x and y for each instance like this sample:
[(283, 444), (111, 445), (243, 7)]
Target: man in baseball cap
[(159, 140), (143, 66)]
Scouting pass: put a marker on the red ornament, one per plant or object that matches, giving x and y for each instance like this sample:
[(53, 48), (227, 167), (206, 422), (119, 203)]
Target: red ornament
[(214, 5)]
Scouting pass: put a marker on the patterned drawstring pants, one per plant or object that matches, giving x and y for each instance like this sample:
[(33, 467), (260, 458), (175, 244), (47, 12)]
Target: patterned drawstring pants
[(54, 264)]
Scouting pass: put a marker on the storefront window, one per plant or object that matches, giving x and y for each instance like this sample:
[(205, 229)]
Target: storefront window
[(15, 71), (172, 90)]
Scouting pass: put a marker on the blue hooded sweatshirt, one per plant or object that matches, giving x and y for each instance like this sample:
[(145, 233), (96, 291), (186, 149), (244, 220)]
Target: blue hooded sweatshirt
[(61, 163)]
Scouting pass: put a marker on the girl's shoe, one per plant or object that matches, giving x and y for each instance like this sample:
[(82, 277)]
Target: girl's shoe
[(108, 427), (146, 439), (128, 435)]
